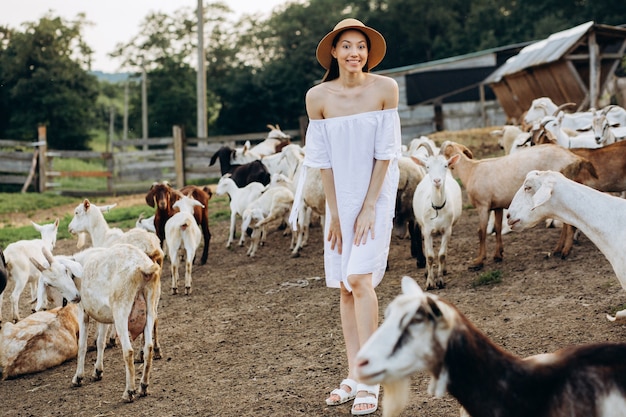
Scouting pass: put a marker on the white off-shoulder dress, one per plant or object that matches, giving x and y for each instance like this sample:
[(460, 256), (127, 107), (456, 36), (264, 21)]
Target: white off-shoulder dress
[(350, 145)]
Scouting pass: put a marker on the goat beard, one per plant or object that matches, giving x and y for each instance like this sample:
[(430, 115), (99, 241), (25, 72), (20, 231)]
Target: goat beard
[(396, 396)]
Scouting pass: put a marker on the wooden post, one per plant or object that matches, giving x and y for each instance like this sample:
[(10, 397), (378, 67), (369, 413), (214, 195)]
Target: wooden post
[(179, 160), (43, 158), (594, 71)]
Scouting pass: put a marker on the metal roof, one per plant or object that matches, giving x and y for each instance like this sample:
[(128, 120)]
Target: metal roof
[(542, 52)]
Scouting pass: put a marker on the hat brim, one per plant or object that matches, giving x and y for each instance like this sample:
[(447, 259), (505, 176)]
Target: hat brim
[(376, 52)]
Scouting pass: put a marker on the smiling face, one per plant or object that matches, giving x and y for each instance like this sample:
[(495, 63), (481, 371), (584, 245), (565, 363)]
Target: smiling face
[(351, 51)]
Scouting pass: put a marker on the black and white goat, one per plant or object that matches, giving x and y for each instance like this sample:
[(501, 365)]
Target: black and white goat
[(422, 332)]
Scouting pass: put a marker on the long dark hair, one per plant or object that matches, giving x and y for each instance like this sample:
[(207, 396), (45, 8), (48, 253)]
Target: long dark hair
[(333, 70)]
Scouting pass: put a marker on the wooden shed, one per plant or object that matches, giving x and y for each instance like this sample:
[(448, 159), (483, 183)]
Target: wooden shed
[(572, 66)]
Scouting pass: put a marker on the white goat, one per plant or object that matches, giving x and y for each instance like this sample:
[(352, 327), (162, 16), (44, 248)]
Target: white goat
[(120, 285), (423, 333), (40, 341), (491, 183), (272, 205), (437, 205), (19, 267), (602, 129), (146, 223), (511, 138), (88, 219), (549, 194), (240, 198), (248, 153), (182, 233)]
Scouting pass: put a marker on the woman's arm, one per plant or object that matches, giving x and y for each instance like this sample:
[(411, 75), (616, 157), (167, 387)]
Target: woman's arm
[(367, 216), (334, 229)]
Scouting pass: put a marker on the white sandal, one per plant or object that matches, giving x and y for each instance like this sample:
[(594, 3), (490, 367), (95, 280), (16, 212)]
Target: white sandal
[(370, 399), (344, 396)]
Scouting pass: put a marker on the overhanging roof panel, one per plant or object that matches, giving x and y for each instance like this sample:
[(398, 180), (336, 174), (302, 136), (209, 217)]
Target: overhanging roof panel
[(542, 52)]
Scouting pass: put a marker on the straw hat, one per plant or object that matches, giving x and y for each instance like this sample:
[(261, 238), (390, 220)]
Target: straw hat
[(376, 51)]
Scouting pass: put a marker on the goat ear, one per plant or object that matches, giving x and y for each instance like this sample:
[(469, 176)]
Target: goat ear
[(150, 197), (418, 160), (454, 159), (410, 286), (434, 308), (75, 267), (543, 194)]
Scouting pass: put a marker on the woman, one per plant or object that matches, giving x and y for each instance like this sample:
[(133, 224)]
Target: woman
[(354, 139)]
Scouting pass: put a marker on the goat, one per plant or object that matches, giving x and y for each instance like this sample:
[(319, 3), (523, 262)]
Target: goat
[(491, 183), (240, 198), (19, 267), (40, 341), (275, 141), (3, 274), (410, 175), (88, 219), (550, 194), (511, 138), (242, 173), (146, 223), (423, 332), (272, 205), (308, 199), (161, 197), (603, 131), (437, 205), (119, 285), (182, 233)]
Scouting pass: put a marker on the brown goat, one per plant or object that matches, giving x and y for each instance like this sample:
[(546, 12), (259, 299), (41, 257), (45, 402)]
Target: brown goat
[(162, 198)]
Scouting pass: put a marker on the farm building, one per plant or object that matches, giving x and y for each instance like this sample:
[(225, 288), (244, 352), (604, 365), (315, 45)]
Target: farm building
[(572, 66), (449, 94), (497, 85)]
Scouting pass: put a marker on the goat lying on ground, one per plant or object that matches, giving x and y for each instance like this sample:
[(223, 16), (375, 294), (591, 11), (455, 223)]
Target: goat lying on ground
[(601, 217), (38, 342), (20, 270), (422, 332)]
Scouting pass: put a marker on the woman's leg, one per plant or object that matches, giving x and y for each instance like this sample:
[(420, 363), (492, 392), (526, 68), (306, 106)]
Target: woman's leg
[(365, 322), (350, 333)]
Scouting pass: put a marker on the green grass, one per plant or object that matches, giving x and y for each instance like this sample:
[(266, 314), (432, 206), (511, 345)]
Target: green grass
[(488, 278), (122, 217)]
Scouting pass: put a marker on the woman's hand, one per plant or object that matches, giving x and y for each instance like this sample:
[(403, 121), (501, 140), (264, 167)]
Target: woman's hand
[(334, 234), (364, 223)]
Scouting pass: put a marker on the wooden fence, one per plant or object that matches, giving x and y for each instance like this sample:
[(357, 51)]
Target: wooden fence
[(131, 166)]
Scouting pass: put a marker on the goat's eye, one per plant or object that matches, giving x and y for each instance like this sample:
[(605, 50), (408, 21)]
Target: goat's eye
[(527, 188)]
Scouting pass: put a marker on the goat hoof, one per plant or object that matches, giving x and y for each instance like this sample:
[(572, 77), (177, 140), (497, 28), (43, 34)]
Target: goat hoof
[(144, 390), (187, 290), (441, 285), (112, 342), (421, 264), (77, 382), (174, 291), (475, 267), (129, 396), (97, 375), (157, 353)]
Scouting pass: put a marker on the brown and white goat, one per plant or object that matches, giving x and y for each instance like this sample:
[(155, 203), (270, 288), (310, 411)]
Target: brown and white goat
[(162, 198), (422, 332)]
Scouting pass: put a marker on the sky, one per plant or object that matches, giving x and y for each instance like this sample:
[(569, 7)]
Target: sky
[(114, 20)]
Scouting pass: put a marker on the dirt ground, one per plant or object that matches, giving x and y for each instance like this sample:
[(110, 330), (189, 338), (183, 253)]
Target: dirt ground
[(262, 337)]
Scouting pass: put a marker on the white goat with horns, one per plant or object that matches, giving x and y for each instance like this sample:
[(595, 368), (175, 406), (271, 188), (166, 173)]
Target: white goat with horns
[(437, 205)]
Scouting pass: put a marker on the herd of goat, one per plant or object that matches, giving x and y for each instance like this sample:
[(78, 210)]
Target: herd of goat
[(554, 161)]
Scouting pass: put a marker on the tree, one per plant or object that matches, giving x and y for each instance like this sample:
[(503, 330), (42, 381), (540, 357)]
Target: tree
[(45, 82)]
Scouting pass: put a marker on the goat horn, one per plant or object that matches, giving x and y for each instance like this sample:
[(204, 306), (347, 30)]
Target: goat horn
[(48, 255), (428, 148), (561, 107), (607, 109)]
